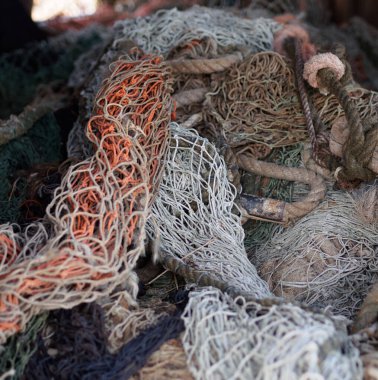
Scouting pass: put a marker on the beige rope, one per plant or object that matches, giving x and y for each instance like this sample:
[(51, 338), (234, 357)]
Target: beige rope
[(205, 66), (279, 210), (188, 97)]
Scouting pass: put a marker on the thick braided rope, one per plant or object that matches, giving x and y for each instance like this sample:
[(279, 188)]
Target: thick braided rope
[(325, 71)]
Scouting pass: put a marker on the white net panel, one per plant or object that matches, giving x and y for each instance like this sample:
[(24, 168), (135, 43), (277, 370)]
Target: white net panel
[(168, 29), (99, 212), (193, 217), (329, 257), (228, 340)]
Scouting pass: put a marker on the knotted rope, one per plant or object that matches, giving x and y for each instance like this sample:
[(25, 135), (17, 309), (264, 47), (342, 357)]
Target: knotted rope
[(324, 71)]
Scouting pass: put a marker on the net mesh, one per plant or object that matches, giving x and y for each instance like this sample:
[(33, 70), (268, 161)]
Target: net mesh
[(193, 217), (23, 70), (256, 102), (227, 340), (98, 213), (15, 356), (329, 257), (168, 29), (39, 145)]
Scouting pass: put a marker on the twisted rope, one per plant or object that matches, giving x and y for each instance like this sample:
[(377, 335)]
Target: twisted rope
[(279, 210), (358, 151), (205, 66)]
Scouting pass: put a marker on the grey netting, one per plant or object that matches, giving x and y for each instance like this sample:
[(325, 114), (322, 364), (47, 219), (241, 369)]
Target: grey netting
[(193, 216), (167, 29), (226, 340), (330, 256)]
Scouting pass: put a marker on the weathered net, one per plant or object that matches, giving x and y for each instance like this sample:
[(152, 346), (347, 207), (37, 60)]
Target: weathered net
[(41, 144), (98, 213), (124, 320), (225, 339), (168, 29), (14, 356), (329, 257), (193, 217), (23, 70), (256, 102)]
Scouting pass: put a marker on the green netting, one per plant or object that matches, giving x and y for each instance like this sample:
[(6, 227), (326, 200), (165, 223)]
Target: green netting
[(42, 144), (22, 71), (15, 355)]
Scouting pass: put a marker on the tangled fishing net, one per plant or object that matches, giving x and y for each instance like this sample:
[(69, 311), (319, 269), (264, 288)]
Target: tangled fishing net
[(168, 29), (329, 257), (98, 213), (193, 217), (225, 339), (256, 102), (136, 182), (22, 71)]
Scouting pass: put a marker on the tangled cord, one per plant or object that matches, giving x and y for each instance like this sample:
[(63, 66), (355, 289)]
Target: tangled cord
[(325, 71), (98, 213)]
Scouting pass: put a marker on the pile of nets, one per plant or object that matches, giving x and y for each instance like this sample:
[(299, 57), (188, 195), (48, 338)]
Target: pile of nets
[(329, 257), (224, 339), (124, 253)]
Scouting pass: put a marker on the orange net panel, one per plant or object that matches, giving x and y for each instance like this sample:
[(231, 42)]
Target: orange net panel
[(99, 212)]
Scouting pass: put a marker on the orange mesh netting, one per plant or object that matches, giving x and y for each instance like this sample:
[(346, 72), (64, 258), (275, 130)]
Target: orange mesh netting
[(98, 213)]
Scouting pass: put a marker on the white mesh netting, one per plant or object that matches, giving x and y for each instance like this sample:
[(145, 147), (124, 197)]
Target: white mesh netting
[(167, 29), (226, 340), (329, 257), (193, 216)]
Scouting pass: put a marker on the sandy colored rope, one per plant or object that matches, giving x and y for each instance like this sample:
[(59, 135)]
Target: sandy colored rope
[(205, 66), (188, 97), (18, 125), (325, 71), (276, 210), (340, 134)]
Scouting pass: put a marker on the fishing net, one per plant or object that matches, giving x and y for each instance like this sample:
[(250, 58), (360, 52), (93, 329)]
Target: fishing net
[(226, 339), (124, 320), (256, 102), (366, 341), (22, 71), (329, 257), (98, 213), (75, 346), (131, 176), (168, 29), (40, 145), (193, 218)]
